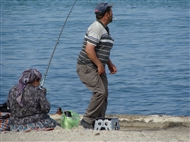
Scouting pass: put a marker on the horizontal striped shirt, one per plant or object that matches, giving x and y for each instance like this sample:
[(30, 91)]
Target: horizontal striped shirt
[(99, 36)]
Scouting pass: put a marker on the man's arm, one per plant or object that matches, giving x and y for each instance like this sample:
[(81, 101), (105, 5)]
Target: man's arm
[(92, 56)]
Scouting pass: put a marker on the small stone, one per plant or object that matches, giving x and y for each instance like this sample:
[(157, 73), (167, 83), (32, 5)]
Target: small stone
[(97, 134)]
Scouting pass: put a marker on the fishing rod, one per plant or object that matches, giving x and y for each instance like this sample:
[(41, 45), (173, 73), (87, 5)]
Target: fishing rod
[(43, 80)]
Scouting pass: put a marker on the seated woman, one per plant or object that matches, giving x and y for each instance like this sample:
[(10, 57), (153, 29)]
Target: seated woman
[(28, 104)]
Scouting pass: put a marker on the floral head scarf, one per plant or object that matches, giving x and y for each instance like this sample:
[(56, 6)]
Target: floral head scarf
[(27, 76)]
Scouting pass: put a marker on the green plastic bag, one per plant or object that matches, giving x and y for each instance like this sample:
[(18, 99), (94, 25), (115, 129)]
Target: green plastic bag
[(69, 119)]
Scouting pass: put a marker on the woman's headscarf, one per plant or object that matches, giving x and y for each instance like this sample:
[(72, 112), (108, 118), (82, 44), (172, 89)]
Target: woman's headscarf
[(27, 76)]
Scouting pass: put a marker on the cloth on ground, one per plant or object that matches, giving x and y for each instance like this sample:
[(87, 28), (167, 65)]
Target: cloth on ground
[(4, 121)]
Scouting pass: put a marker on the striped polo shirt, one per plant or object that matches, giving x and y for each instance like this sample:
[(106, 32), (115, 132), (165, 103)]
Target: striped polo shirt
[(99, 36)]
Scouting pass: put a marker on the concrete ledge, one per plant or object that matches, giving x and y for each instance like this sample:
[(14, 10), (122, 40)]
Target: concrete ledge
[(152, 121), (143, 121)]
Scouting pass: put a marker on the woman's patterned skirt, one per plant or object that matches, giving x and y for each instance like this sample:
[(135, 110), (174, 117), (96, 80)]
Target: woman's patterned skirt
[(44, 124)]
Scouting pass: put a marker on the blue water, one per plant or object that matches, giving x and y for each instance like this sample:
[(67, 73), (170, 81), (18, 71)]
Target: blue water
[(151, 52)]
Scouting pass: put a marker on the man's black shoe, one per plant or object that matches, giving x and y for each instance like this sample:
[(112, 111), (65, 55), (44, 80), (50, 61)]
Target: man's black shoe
[(86, 124)]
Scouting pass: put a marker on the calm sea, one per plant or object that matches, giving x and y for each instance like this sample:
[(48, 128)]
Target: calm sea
[(151, 52)]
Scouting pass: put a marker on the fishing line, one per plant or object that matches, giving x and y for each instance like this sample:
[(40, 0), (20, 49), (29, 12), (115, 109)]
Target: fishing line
[(42, 82)]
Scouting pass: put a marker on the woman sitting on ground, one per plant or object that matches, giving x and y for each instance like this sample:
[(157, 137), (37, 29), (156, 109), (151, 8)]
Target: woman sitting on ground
[(28, 104)]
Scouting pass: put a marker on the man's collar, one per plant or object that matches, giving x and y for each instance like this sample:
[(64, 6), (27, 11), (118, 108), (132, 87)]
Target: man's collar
[(106, 27)]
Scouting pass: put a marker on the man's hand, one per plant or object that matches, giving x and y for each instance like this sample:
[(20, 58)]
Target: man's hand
[(101, 69), (112, 67)]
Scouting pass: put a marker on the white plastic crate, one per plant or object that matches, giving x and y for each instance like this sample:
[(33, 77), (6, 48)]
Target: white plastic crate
[(106, 124)]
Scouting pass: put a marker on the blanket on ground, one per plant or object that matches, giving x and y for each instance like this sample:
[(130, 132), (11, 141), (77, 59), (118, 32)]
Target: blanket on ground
[(4, 117)]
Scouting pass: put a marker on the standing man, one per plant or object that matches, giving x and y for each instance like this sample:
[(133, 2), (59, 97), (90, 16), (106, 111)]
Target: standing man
[(93, 58)]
